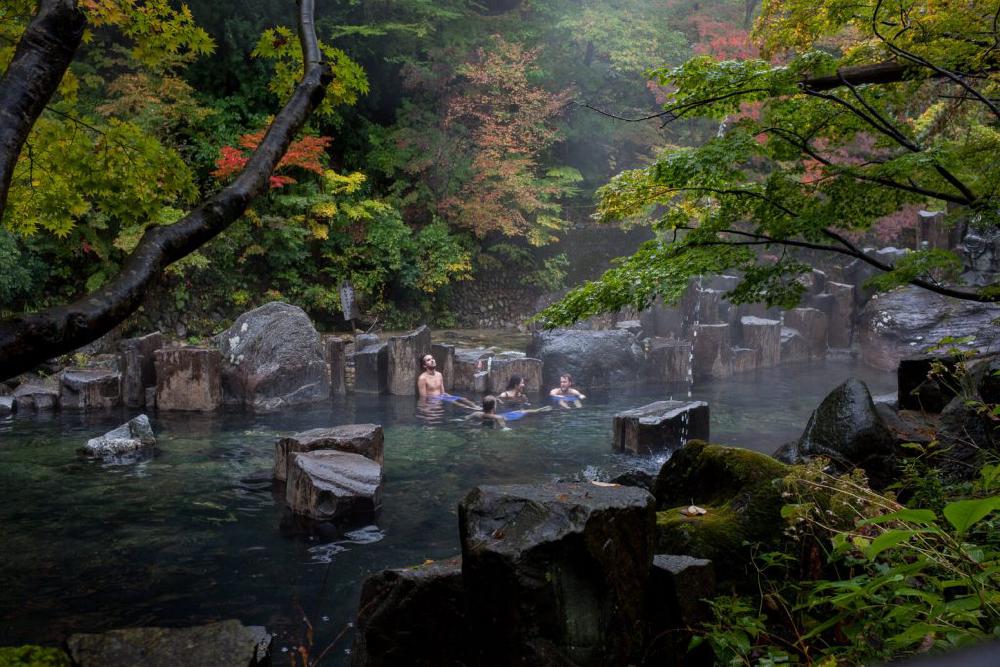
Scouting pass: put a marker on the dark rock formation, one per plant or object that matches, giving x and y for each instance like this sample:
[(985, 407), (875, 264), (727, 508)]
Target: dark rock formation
[(847, 429), (272, 357), (919, 391), (32, 396), (371, 369), (7, 405), (659, 426), (222, 644), (501, 370), (138, 367), (675, 601), (668, 360), (595, 359), (327, 484), (713, 351), (907, 321), (188, 378), (444, 355), (413, 616), (556, 573), (811, 323), (968, 439), (364, 439), (764, 336), (794, 346), (336, 356)]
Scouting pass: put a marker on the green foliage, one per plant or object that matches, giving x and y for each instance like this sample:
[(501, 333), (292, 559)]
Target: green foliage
[(33, 656)]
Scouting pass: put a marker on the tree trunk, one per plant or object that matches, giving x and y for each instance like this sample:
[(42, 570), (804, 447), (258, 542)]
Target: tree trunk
[(27, 340)]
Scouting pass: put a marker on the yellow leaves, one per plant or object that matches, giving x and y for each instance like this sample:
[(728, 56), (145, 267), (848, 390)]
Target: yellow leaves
[(343, 184), (325, 210)]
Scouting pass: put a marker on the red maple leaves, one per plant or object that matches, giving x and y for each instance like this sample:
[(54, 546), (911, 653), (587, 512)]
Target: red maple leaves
[(306, 154)]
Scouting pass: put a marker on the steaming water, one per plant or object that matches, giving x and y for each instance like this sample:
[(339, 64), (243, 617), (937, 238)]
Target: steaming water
[(198, 533)]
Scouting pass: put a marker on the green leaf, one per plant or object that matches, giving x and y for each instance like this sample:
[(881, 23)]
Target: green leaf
[(923, 517), (963, 514), (887, 540)]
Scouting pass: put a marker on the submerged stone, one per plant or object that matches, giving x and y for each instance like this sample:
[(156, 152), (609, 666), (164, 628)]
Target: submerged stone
[(222, 644), (659, 426)]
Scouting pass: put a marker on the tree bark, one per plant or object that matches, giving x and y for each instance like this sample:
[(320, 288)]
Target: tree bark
[(27, 340), (887, 72), (40, 60)]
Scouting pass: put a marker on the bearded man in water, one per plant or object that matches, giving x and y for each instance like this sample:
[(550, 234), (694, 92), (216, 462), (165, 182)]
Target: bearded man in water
[(430, 385)]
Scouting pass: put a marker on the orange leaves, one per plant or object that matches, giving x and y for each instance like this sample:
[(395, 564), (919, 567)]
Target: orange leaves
[(306, 154)]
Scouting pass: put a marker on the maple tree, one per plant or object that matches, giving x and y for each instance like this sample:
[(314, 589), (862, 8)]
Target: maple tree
[(35, 83), (304, 153)]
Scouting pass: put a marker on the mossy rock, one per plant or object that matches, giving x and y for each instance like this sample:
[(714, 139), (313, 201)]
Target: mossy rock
[(33, 656), (706, 474), (741, 491)]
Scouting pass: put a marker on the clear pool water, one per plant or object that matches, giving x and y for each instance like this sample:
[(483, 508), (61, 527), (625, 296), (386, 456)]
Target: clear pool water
[(197, 533)]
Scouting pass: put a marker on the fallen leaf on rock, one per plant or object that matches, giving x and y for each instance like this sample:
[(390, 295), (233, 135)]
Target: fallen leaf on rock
[(596, 483), (694, 510)]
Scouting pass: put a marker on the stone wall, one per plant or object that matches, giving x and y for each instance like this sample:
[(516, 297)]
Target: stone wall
[(493, 301)]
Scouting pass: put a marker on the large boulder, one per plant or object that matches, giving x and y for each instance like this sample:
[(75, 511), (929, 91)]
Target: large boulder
[(364, 439), (222, 644), (502, 370), (90, 389), (402, 609), (595, 359), (555, 573), (326, 484), (272, 357), (907, 321), (128, 439), (660, 426), (741, 493), (847, 429)]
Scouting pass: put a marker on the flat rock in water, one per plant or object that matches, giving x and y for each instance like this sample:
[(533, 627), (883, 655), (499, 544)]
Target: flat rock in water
[(38, 397), (663, 425), (7, 405), (326, 484), (223, 644), (364, 439), (128, 438)]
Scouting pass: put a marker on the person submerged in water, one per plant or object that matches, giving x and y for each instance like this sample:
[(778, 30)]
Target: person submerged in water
[(488, 413), (565, 394), (514, 393), (430, 385)]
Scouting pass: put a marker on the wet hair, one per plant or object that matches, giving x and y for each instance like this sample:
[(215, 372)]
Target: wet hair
[(423, 360), (569, 378), (489, 404), (514, 381)]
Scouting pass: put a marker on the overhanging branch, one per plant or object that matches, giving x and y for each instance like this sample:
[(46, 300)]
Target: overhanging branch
[(27, 340)]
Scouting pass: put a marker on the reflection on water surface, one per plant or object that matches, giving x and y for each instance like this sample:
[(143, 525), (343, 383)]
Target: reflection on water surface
[(197, 533)]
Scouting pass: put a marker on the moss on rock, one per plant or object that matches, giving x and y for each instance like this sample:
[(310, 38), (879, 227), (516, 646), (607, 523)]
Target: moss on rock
[(741, 491), (33, 656)]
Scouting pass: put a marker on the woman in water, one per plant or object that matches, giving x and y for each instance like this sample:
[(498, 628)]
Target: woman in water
[(514, 393)]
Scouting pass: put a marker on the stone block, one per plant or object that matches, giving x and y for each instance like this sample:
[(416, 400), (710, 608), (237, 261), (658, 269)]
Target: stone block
[(675, 600), (371, 369), (90, 389), (713, 352), (501, 370), (444, 355), (669, 360), (842, 310), (471, 372), (794, 346), (188, 378), (403, 360), (364, 439), (32, 397), (138, 367), (662, 320), (811, 323), (336, 356), (559, 570), (401, 609), (764, 336), (745, 359), (723, 283), (326, 484), (7, 405), (660, 426)]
